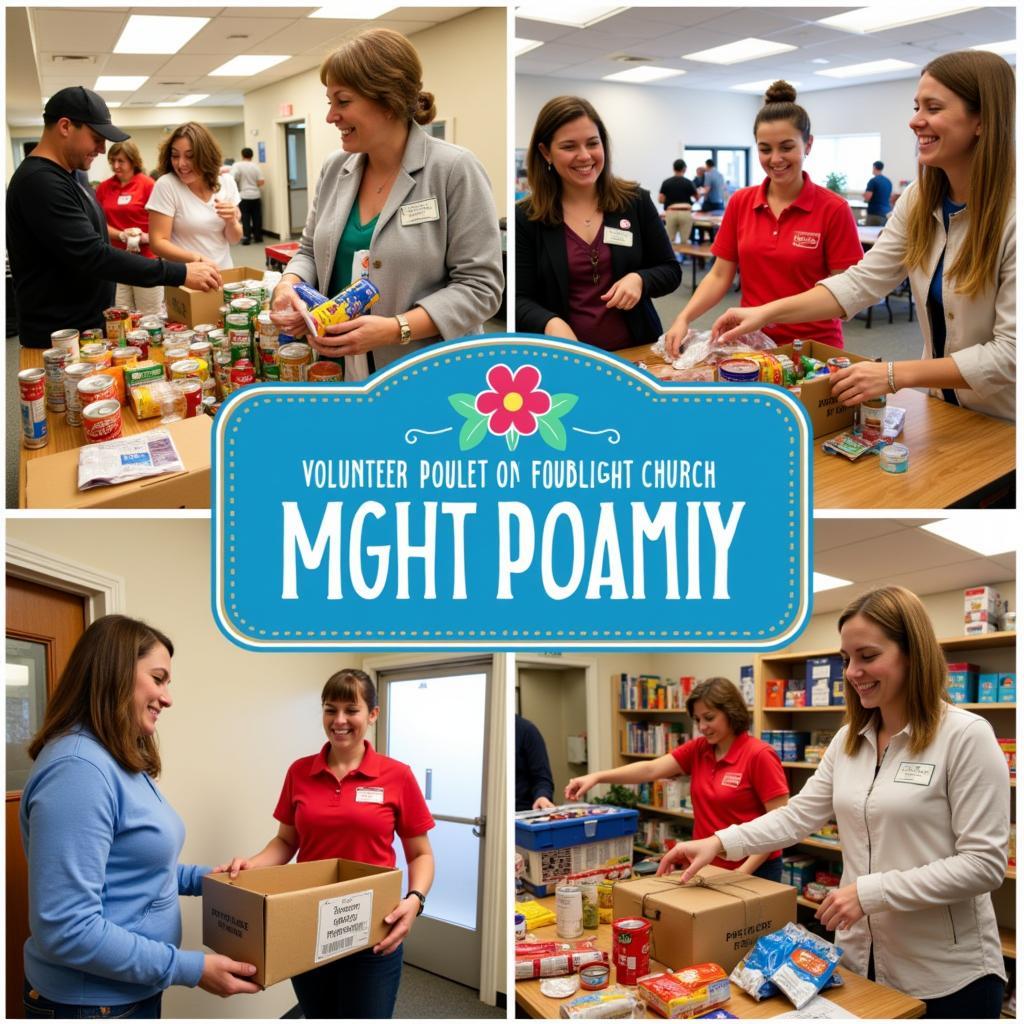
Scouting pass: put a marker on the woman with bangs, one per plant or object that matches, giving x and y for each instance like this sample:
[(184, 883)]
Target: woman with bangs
[(920, 790), (591, 251), (349, 801), (420, 206), (194, 209), (954, 233)]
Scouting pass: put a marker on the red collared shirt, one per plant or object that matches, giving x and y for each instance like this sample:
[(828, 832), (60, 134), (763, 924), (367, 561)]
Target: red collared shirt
[(357, 817), (732, 790), (125, 205), (814, 236)]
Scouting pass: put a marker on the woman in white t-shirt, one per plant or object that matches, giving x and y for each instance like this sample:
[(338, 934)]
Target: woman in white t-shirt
[(193, 210)]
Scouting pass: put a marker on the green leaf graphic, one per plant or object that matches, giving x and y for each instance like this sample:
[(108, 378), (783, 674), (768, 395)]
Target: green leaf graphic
[(473, 431), (552, 431), (463, 404), (512, 438), (560, 405)]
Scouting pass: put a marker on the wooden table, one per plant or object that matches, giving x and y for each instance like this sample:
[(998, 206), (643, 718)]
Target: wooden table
[(958, 458), (858, 995)]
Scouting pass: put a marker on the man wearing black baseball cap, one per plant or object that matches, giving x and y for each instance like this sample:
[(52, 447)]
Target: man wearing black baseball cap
[(63, 265)]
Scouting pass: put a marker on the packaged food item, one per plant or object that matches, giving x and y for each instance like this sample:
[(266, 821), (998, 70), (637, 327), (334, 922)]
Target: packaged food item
[(852, 446), (594, 976), (791, 960), (536, 915), (685, 993), (349, 303), (614, 1003), (551, 964)]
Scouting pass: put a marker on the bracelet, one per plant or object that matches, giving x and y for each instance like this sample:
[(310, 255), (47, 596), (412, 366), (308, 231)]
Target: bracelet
[(892, 378)]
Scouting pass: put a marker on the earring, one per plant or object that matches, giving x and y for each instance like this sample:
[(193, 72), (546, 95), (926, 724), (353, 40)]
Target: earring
[(551, 166)]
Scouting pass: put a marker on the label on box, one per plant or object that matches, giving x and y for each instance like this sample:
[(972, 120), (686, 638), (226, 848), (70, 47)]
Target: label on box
[(343, 925)]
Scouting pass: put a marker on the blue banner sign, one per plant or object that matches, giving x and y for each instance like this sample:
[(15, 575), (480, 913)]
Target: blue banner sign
[(510, 493)]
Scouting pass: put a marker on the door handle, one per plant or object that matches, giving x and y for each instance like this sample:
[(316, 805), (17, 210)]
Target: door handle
[(482, 822), (429, 785)]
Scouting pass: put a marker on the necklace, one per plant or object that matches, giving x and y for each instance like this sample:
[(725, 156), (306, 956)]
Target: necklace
[(387, 181)]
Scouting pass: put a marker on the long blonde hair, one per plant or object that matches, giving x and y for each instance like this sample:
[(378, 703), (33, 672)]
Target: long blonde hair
[(986, 84)]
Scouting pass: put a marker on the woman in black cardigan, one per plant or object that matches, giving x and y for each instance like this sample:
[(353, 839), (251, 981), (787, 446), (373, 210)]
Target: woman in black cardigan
[(591, 251)]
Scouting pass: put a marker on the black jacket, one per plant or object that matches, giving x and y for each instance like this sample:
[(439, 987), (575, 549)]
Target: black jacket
[(533, 770), (62, 262), (542, 268)]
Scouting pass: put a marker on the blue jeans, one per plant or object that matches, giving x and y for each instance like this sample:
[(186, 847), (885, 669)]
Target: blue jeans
[(363, 985), (982, 999), (39, 1007), (770, 869)]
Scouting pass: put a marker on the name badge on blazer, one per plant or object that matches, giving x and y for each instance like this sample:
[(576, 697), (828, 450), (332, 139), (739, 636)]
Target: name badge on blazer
[(916, 774), (419, 212), (615, 236), (369, 794)]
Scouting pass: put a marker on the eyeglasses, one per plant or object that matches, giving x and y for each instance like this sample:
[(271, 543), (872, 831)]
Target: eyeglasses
[(593, 263)]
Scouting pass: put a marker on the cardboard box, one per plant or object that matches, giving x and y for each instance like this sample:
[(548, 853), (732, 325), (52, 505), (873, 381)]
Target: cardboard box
[(988, 688), (980, 628), (828, 415), (982, 598), (1008, 688), (716, 921), (51, 481), (191, 307), (290, 919)]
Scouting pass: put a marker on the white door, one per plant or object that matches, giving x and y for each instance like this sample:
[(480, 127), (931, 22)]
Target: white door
[(435, 719)]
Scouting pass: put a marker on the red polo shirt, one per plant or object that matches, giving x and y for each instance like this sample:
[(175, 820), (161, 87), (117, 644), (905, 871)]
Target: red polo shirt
[(732, 790), (125, 205), (358, 817), (814, 236)]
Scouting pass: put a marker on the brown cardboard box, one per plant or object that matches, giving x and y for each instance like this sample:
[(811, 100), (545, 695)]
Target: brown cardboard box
[(290, 919), (827, 414), (190, 307), (714, 920), (52, 480)]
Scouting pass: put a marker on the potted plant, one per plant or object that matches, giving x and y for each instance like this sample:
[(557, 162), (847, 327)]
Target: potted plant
[(836, 182)]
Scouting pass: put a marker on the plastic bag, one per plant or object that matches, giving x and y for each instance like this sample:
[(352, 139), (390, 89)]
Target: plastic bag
[(792, 959)]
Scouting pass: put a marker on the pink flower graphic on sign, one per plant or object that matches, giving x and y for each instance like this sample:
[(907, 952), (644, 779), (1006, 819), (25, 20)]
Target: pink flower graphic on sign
[(514, 401)]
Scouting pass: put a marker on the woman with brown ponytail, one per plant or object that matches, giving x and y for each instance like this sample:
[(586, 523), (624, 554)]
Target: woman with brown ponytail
[(422, 207), (782, 235), (954, 232)]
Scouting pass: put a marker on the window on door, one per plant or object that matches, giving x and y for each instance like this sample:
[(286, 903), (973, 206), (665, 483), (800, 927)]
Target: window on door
[(733, 162)]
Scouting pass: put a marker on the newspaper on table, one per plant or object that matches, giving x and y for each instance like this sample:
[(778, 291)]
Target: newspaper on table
[(818, 1008), (128, 458)]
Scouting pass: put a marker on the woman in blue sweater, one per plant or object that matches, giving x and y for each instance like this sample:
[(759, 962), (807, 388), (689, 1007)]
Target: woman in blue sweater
[(103, 844)]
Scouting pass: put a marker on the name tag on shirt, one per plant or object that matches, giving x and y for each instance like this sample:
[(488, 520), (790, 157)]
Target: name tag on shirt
[(369, 795), (915, 774), (732, 779), (616, 236), (124, 200), (807, 239), (419, 213)]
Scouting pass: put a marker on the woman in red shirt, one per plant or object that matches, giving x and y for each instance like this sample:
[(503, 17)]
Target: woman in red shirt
[(349, 801), (733, 776), (123, 198), (783, 236)]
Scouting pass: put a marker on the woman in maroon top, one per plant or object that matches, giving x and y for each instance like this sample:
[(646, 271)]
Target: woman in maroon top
[(591, 251), (733, 776)]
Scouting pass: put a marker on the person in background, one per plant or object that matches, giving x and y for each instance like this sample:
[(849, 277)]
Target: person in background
[(102, 843), (591, 251), (534, 784), (733, 776), (954, 233), (781, 235), (62, 263), (123, 197), (193, 212), (349, 801), (677, 197), (877, 194), (712, 189), (249, 180), (423, 208), (920, 790)]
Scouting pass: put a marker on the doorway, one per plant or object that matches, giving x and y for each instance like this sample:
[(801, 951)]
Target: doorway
[(733, 163), (422, 709), (298, 183)]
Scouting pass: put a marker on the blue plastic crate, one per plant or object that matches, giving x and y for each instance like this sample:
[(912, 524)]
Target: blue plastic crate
[(573, 824)]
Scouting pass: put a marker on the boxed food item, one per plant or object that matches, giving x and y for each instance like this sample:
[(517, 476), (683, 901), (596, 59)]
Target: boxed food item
[(796, 693), (1008, 746), (191, 307), (798, 871), (575, 839), (962, 685), (685, 993), (292, 918), (775, 693), (714, 918), (982, 599), (1008, 688), (793, 745), (747, 684), (979, 628), (984, 615), (988, 688)]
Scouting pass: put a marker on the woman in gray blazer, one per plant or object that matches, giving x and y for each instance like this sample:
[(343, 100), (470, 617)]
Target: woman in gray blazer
[(422, 208)]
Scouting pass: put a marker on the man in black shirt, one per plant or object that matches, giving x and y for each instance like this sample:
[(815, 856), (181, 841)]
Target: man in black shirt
[(62, 263), (676, 197), (534, 785)]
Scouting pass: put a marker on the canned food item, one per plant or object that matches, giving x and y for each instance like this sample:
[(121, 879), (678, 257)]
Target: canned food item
[(201, 349), (255, 290), (95, 388), (739, 370), (127, 355), (202, 331), (594, 976), (894, 458), (266, 327), (138, 339), (222, 314), (233, 290), (217, 338), (605, 901), (54, 361), (115, 326), (189, 367), (174, 327), (293, 360), (588, 887), (349, 303), (192, 389), (74, 373), (323, 372), (872, 418), (520, 923), (35, 431), (98, 353), (249, 307), (242, 373), (569, 911), (92, 334), (631, 949), (172, 355), (67, 341), (309, 295), (101, 421), (838, 363), (178, 338)]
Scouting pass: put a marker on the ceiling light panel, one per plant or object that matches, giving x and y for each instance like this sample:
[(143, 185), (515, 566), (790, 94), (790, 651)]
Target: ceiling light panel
[(365, 11), (823, 582), (521, 46), (120, 83), (873, 67), (574, 15), (247, 64), (997, 535), (750, 48), (643, 73), (157, 34), (886, 16)]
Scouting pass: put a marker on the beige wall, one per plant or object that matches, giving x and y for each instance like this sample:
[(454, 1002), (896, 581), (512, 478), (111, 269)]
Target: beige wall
[(555, 700), (457, 52)]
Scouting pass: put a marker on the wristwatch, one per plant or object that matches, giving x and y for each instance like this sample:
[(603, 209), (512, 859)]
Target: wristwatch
[(404, 339), (420, 897)]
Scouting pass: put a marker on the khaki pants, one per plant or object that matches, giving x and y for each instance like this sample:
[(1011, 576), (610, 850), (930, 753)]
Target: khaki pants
[(148, 301), (678, 222)]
